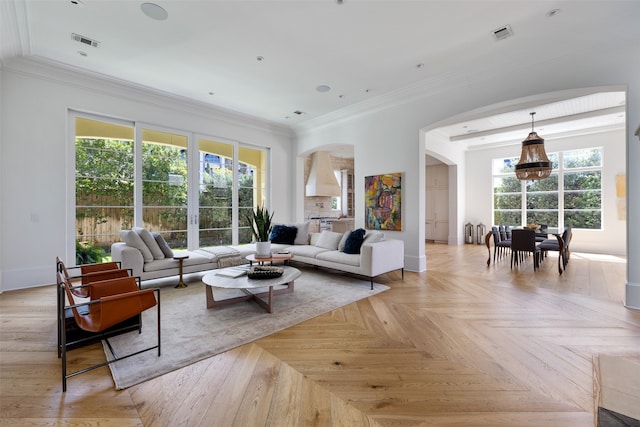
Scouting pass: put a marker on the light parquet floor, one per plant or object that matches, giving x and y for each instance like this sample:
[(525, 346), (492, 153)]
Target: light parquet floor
[(461, 344)]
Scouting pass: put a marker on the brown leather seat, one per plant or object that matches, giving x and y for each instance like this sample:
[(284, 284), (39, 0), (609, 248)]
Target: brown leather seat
[(110, 303)]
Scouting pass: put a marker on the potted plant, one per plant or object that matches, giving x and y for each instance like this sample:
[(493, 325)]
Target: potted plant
[(260, 221)]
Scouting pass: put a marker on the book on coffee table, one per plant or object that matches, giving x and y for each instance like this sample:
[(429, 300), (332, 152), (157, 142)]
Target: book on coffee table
[(232, 271)]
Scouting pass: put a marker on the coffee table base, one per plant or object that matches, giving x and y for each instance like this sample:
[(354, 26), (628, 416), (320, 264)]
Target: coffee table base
[(257, 297)]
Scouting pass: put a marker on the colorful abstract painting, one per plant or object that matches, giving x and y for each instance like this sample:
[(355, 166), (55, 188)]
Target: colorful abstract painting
[(383, 201)]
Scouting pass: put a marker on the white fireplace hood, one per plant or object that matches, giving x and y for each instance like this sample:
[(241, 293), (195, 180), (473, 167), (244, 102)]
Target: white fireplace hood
[(322, 181)]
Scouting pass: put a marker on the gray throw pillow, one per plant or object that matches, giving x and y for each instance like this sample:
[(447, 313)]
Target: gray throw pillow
[(164, 246), (131, 238), (150, 241)]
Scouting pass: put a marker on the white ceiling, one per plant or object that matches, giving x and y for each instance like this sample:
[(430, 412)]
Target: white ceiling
[(208, 51)]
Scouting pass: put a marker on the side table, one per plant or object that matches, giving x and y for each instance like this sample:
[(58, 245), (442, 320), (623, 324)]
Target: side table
[(180, 259)]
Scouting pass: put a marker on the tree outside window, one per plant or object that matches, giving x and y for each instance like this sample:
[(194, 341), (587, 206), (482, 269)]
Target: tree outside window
[(571, 196)]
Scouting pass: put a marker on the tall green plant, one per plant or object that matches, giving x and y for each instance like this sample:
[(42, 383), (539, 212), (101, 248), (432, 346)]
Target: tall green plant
[(260, 221)]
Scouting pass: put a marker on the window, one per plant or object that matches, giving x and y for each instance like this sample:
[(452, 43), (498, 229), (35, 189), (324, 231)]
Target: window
[(572, 195), (336, 203), (104, 186), (128, 175)]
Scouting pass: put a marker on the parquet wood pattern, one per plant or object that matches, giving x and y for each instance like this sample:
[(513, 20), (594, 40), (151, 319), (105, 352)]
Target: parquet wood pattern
[(461, 344)]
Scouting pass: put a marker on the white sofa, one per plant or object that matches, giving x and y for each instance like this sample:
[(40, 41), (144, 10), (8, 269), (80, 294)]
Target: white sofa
[(377, 256)]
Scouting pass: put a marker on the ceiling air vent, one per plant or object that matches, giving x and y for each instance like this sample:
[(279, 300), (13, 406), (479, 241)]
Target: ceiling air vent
[(84, 40), (502, 33)]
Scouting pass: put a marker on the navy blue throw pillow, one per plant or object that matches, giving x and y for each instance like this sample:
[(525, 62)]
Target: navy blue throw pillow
[(354, 241), (283, 234)]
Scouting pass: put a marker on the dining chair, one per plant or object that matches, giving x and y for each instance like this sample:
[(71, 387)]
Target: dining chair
[(500, 242), (560, 244), (523, 243)]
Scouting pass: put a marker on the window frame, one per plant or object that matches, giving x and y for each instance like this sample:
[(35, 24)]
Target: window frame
[(560, 170)]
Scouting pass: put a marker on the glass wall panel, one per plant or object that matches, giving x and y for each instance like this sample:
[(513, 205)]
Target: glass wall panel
[(215, 193), (104, 186), (165, 185), (252, 184)]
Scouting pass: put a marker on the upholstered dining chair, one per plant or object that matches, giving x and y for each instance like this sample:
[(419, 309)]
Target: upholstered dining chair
[(500, 242), (523, 243), (560, 244), (110, 303)]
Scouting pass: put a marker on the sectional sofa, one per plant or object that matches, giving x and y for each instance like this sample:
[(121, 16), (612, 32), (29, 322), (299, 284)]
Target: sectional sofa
[(143, 252)]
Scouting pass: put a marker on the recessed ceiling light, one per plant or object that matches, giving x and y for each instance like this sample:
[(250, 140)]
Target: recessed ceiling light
[(154, 11), (260, 58), (420, 65), (298, 112), (552, 12), (323, 88), (76, 3), (340, 96), (82, 53), (212, 93)]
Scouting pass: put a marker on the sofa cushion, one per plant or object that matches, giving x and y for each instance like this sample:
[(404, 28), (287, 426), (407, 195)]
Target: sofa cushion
[(329, 240), (373, 237), (302, 237), (354, 241), (131, 238), (283, 234), (164, 246), (306, 251), (337, 258), (150, 241), (345, 236)]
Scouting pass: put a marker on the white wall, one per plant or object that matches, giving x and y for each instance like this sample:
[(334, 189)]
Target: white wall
[(387, 139), (610, 240), (35, 142)]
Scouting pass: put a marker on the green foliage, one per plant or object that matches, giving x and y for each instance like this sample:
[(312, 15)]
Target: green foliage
[(260, 221), (582, 158), (512, 218), (88, 254)]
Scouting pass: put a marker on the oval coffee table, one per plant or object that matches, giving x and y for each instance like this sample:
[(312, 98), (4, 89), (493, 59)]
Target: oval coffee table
[(217, 279)]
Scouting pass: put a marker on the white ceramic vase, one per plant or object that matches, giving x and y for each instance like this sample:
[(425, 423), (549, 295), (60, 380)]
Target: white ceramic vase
[(263, 249)]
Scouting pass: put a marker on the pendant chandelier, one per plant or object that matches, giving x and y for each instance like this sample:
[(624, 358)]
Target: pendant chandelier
[(534, 163)]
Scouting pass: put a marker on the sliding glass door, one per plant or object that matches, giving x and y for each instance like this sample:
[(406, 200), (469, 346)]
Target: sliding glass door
[(164, 184), (225, 198), (194, 191)]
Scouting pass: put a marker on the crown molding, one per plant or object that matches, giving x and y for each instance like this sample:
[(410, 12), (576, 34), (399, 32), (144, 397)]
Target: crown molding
[(46, 69)]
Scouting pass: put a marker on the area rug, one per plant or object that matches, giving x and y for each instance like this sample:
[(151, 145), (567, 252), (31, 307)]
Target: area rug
[(191, 332)]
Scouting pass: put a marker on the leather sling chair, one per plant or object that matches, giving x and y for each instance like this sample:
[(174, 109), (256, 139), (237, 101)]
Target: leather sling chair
[(89, 273), (111, 302)]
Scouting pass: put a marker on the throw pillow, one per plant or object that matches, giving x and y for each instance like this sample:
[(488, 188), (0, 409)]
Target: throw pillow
[(373, 237), (302, 238), (354, 241), (345, 236), (283, 234), (329, 240), (131, 238), (150, 241), (164, 246)]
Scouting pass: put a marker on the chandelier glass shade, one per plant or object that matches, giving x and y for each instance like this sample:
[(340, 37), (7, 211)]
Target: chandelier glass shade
[(534, 163)]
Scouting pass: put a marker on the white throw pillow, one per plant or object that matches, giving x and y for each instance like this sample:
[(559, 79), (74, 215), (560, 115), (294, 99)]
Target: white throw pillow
[(329, 240), (150, 241), (343, 241), (131, 238), (302, 236), (373, 237)]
